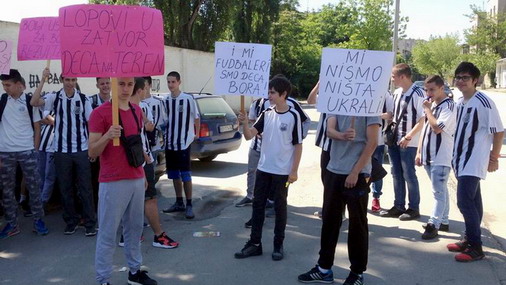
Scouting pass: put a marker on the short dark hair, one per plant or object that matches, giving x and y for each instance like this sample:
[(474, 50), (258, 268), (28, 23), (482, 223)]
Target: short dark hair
[(140, 83), (436, 79), (468, 67), (13, 75), (175, 74), (402, 69), (148, 79), (281, 84), (98, 78)]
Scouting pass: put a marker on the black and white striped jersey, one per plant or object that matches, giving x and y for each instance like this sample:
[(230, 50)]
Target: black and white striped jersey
[(436, 149), (254, 113), (412, 100), (477, 121), (71, 120), (179, 121), (146, 110), (322, 140), (157, 110), (96, 101), (46, 134)]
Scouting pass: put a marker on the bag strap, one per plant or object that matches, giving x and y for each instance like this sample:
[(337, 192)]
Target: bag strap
[(136, 121), (29, 107), (3, 103), (403, 111)]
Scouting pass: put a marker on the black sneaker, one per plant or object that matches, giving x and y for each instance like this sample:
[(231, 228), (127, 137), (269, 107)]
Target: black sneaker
[(249, 250), (176, 207), (244, 202), (248, 224), (316, 276), (140, 278), (354, 279), (90, 231), (442, 227), (189, 212), (430, 232), (392, 213), (70, 229), (409, 215), (277, 253)]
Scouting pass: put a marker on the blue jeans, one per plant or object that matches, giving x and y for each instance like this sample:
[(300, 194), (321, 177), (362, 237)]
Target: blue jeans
[(376, 186), (47, 174), (471, 207), (439, 177), (403, 172)]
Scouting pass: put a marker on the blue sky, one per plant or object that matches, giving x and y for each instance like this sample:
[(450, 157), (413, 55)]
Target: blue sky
[(427, 17)]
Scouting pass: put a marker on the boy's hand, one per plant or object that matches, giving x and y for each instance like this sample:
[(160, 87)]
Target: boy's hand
[(493, 164), (418, 159), (45, 74), (113, 132), (292, 177), (427, 104), (242, 118), (351, 180), (349, 134)]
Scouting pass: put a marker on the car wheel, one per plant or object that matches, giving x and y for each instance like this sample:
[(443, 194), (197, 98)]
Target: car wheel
[(208, 158)]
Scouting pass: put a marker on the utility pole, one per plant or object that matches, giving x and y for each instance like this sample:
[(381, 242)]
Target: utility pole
[(396, 38)]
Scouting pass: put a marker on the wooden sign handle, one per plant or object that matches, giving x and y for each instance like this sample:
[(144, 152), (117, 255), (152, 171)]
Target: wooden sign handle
[(242, 103), (352, 124), (115, 107), (48, 64)]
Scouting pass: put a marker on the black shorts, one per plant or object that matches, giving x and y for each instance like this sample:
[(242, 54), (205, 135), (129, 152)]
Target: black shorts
[(177, 160)]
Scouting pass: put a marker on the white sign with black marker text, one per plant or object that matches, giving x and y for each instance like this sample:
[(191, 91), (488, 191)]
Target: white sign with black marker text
[(354, 82), (242, 68)]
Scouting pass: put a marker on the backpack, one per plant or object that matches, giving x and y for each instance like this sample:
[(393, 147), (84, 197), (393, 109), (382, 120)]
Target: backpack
[(3, 104)]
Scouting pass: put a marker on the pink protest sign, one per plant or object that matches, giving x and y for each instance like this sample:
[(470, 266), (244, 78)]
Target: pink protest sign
[(39, 38), (5, 56), (114, 41)]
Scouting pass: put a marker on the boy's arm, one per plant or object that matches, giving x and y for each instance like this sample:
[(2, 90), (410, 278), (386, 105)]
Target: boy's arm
[(430, 117), (332, 133), (36, 135), (407, 138), (36, 100), (313, 95), (297, 154), (248, 132), (493, 163), (418, 157), (365, 157)]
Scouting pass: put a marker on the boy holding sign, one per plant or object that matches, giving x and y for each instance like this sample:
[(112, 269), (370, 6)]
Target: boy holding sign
[(72, 111), (122, 187), (346, 183), (281, 150)]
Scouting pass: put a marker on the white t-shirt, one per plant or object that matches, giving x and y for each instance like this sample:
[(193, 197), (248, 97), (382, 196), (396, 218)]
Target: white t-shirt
[(156, 106), (477, 122), (16, 132), (413, 113), (388, 106), (180, 112), (280, 133), (436, 147)]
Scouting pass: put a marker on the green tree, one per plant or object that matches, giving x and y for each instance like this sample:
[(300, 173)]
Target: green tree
[(253, 20), (438, 56)]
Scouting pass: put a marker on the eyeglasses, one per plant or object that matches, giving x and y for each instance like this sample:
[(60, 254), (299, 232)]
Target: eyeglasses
[(463, 78)]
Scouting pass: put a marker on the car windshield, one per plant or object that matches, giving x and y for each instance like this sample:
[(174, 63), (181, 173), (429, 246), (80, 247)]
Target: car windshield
[(214, 107)]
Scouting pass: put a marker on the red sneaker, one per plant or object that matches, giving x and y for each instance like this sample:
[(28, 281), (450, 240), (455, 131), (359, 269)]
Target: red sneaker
[(459, 246), (375, 205), (470, 254), (164, 241)]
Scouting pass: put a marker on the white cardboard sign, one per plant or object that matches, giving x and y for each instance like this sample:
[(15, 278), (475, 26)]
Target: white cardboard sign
[(242, 68), (354, 82)]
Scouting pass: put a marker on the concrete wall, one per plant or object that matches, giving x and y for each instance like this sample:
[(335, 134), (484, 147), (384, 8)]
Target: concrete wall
[(196, 69)]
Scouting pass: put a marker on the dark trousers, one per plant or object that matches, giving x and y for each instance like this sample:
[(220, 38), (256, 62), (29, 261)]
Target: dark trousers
[(324, 161), (471, 206), (335, 198), (66, 165), (264, 183)]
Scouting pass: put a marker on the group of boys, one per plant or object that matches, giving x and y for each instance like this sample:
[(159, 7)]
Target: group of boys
[(77, 135), (431, 130)]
